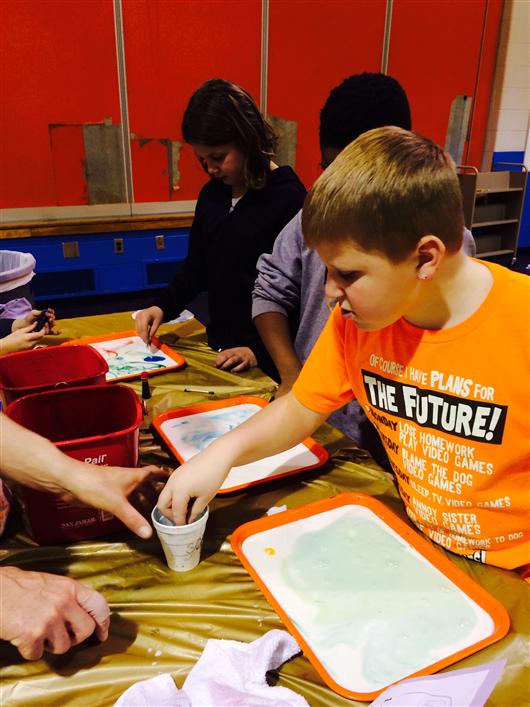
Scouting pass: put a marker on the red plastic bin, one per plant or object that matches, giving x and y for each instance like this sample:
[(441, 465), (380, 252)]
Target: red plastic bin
[(35, 371), (97, 424)]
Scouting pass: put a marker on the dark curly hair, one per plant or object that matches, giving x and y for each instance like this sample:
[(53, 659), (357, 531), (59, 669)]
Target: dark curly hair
[(360, 103), (220, 112)]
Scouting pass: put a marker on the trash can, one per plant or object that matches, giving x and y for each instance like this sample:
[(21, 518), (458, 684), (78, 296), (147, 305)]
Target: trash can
[(16, 274)]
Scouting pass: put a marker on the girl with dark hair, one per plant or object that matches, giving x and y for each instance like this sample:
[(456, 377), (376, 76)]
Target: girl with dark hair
[(239, 213)]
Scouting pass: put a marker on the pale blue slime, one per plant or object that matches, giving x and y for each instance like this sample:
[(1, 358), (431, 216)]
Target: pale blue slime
[(204, 430), (371, 591)]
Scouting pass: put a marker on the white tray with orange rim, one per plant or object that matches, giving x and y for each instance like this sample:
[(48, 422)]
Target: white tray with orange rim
[(187, 431), (128, 357), (370, 601)]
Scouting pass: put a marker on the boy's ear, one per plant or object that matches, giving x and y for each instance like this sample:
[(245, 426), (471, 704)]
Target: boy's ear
[(429, 252)]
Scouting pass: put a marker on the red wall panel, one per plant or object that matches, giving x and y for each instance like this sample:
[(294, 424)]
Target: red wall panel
[(68, 155), (172, 47), (434, 53), (59, 66), (479, 116), (313, 46)]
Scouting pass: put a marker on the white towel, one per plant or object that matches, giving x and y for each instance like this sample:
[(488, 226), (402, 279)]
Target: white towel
[(228, 674)]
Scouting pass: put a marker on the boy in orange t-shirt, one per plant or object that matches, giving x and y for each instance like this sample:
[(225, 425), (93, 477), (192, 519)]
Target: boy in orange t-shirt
[(433, 344)]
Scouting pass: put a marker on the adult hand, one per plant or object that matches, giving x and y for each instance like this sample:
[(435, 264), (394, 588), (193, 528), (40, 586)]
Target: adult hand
[(147, 322), (238, 359), (48, 469), (42, 611), (21, 339), (197, 481), (108, 488)]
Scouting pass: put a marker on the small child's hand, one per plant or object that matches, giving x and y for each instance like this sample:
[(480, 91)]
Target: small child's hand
[(21, 339), (147, 322), (238, 359), (32, 317), (195, 483)]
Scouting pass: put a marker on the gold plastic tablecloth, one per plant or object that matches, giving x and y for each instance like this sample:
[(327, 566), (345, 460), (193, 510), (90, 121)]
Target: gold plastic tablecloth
[(162, 619)]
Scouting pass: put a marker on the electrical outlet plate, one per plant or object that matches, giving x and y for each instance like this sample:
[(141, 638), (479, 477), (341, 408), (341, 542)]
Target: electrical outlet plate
[(160, 242), (71, 249)]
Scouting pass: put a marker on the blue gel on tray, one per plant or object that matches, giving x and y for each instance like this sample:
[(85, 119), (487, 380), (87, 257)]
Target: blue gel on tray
[(153, 359)]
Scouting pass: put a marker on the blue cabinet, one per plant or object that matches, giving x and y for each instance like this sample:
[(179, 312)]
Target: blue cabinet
[(103, 263)]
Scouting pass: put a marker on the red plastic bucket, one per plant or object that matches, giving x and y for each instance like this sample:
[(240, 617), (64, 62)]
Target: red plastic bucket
[(35, 371), (97, 424)]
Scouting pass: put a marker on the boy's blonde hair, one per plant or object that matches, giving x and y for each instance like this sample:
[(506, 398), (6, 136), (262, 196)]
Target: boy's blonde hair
[(385, 191)]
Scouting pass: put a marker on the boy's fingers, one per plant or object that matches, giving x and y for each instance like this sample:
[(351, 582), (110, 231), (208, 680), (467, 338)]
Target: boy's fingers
[(179, 510), (173, 506), (197, 508)]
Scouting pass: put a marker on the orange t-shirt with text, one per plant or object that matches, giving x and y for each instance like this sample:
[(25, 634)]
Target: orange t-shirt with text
[(452, 409)]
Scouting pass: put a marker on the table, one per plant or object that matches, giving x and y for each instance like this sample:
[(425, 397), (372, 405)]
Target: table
[(161, 619)]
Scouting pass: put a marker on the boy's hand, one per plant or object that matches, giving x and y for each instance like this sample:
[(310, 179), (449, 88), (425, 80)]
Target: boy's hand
[(147, 322), (41, 611), (279, 426), (238, 359), (195, 482), (21, 339)]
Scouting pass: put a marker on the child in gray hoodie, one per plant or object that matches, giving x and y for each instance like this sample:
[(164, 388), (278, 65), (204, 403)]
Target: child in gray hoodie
[(289, 308)]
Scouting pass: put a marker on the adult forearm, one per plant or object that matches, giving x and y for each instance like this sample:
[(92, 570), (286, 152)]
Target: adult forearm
[(29, 459), (273, 328)]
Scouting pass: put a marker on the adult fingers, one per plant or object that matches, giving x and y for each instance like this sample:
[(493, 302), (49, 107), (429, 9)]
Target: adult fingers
[(96, 606), (31, 648), (58, 640), (79, 625), (132, 518)]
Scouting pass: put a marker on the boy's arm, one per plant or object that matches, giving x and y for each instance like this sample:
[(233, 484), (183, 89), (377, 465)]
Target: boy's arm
[(280, 426)]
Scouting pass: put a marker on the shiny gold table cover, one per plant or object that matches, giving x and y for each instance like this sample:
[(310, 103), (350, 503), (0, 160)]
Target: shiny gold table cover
[(161, 619)]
